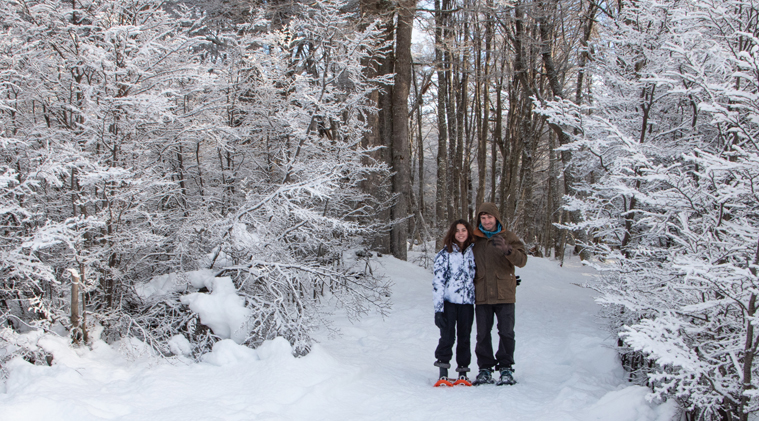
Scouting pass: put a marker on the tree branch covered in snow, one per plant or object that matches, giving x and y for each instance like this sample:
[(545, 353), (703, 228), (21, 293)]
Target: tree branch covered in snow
[(137, 143), (669, 154)]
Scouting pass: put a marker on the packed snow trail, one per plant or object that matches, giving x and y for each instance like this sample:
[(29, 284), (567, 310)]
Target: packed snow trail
[(377, 369), (566, 365)]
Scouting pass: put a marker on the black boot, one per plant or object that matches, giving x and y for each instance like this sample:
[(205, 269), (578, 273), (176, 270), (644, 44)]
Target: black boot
[(463, 380), (443, 378)]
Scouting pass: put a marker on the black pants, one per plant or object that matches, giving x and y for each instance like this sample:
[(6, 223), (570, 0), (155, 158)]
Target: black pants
[(459, 316), (484, 348)]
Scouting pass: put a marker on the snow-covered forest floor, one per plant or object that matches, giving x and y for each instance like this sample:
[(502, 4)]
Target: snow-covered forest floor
[(376, 369)]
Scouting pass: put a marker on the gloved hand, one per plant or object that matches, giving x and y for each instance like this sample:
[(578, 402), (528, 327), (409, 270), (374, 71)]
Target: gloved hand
[(440, 321), (501, 245)]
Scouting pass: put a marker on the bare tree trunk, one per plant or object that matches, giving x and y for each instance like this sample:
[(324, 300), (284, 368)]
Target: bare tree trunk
[(520, 93), (78, 328), (399, 145), (749, 352), (589, 19), (750, 347), (493, 168), (379, 123), (498, 129), (418, 205), (441, 197), (453, 87), (511, 191), (462, 163), (529, 145), (479, 129), (480, 114), (75, 302), (552, 73), (505, 145), (466, 174), (483, 126), (551, 209)]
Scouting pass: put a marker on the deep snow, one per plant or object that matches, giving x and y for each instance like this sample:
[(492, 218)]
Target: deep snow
[(377, 369)]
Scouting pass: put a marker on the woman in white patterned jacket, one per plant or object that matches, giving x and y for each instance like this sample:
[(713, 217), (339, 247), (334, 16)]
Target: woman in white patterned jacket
[(453, 298)]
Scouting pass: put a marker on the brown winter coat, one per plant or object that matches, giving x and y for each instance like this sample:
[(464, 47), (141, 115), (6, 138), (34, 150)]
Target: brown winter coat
[(494, 279)]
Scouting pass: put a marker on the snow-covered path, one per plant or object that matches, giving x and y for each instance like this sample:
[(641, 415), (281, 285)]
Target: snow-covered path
[(378, 369), (566, 366)]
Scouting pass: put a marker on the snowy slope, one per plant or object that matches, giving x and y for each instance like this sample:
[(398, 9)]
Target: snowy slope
[(376, 370)]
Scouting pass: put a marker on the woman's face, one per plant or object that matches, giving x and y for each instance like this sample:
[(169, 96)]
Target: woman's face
[(461, 233)]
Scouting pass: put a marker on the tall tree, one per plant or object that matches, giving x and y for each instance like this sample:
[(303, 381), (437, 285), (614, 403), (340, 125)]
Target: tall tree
[(441, 197), (400, 135), (669, 159), (392, 101)]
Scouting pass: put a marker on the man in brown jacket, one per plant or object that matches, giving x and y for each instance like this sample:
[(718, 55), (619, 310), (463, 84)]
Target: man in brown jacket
[(496, 252)]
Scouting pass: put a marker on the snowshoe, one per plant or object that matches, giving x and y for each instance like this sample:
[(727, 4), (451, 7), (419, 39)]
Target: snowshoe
[(485, 376), (507, 378), (443, 380), (463, 380)]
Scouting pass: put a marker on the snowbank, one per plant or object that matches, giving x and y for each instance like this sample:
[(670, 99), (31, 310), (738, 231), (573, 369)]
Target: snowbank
[(222, 310), (378, 369)]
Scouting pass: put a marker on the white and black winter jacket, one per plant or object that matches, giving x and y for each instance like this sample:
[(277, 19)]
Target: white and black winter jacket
[(454, 277)]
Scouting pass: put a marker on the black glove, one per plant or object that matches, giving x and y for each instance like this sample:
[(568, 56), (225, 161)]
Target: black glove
[(519, 280), (501, 245), (440, 321)]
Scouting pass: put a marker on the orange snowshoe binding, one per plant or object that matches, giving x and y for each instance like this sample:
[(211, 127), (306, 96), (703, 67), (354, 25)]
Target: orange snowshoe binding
[(443, 380)]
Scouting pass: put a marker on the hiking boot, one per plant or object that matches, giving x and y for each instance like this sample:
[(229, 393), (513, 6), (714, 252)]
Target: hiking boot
[(443, 380), (463, 380), (507, 377), (485, 376), (443, 373)]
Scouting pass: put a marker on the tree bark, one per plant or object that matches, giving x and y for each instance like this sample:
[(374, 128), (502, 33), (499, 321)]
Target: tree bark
[(441, 197), (378, 123), (549, 239), (400, 141), (484, 124), (480, 115), (418, 205), (749, 352), (452, 87), (460, 175), (552, 73)]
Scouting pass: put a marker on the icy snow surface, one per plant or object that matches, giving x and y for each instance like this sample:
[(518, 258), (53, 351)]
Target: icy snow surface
[(376, 370)]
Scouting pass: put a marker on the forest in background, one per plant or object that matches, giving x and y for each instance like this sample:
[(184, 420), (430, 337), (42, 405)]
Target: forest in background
[(282, 143)]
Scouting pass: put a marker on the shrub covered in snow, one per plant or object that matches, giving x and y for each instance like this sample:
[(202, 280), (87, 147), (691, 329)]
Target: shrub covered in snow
[(161, 141), (669, 153)]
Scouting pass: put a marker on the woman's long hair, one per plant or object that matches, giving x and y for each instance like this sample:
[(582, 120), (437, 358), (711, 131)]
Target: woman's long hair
[(450, 237)]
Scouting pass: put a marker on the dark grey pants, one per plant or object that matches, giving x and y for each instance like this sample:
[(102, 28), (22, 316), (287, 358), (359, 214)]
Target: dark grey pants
[(504, 357), (459, 318)]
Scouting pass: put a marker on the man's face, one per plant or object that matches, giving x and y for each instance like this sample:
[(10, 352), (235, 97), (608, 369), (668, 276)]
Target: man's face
[(488, 221)]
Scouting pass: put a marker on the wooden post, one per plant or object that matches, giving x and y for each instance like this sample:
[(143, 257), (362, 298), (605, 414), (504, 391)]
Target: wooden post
[(74, 301)]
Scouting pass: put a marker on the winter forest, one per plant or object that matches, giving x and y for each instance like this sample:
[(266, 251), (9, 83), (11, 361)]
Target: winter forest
[(279, 145)]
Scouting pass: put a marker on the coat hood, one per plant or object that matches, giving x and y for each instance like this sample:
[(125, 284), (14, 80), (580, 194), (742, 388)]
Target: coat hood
[(490, 208)]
